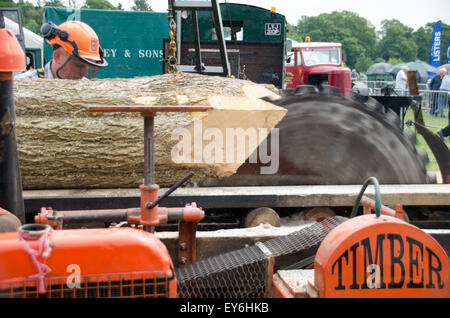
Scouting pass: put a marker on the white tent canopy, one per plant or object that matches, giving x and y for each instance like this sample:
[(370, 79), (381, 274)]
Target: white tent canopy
[(32, 40)]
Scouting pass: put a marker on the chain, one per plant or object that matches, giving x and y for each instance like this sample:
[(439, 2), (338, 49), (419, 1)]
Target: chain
[(172, 59)]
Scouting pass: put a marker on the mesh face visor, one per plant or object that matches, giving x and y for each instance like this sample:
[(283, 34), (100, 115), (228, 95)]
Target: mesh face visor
[(93, 66), (79, 66)]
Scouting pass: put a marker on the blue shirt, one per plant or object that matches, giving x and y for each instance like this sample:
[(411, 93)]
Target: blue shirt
[(34, 73)]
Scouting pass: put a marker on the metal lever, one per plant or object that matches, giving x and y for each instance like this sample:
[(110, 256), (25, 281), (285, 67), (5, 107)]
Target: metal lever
[(169, 192)]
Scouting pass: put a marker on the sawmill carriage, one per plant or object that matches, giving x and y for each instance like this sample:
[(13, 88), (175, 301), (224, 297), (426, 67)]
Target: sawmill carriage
[(255, 40)]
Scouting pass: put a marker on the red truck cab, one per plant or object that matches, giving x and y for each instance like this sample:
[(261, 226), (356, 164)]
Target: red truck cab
[(315, 63)]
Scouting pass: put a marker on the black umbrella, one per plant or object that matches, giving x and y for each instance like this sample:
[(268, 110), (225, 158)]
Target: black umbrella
[(379, 68), (423, 69)]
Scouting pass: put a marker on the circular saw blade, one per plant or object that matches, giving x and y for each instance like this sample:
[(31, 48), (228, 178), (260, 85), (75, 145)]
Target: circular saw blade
[(333, 140)]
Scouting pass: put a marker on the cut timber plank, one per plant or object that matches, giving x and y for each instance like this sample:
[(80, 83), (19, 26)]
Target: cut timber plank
[(292, 283)]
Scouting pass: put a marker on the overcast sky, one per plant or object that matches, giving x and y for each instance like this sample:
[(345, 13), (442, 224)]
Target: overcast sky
[(413, 13)]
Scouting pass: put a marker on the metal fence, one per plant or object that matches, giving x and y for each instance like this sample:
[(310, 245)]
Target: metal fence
[(435, 102)]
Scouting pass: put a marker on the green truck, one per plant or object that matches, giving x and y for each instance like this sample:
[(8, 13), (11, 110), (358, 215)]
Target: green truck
[(136, 43)]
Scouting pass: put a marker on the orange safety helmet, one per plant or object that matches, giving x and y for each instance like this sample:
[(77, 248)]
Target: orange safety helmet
[(77, 39)]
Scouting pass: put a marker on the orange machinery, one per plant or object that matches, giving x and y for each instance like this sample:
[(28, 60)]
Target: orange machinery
[(375, 256), (121, 262), (380, 256), (116, 262)]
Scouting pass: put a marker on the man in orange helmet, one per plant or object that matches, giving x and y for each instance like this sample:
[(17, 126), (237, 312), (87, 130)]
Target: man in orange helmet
[(76, 52)]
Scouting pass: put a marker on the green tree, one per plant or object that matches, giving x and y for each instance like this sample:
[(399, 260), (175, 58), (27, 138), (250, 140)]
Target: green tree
[(74, 3), (7, 4), (363, 63), (379, 60), (397, 41), (422, 38), (291, 33), (31, 15), (98, 4), (141, 5), (394, 61), (54, 3)]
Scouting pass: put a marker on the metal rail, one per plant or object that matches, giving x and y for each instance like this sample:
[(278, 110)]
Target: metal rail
[(240, 197)]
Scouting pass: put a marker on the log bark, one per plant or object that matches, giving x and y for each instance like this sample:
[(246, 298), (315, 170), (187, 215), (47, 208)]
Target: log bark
[(63, 146)]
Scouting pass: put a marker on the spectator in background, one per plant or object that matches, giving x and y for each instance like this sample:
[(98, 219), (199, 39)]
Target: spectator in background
[(443, 97), (401, 81), (355, 75), (445, 84), (435, 85)]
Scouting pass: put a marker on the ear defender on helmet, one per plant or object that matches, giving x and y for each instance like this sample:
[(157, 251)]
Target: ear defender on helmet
[(49, 30)]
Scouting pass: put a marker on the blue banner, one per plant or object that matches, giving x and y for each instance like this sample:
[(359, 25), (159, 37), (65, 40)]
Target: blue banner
[(435, 53), (448, 51)]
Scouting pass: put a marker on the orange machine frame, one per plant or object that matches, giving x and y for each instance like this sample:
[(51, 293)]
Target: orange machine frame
[(114, 262), (380, 256)]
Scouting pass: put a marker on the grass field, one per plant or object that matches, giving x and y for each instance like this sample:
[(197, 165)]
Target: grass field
[(432, 122)]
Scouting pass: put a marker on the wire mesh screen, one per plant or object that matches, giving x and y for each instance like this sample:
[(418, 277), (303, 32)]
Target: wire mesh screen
[(227, 276), (136, 286), (247, 273)]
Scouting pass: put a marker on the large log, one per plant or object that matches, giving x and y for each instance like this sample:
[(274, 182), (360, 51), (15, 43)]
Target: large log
[(62, 145)]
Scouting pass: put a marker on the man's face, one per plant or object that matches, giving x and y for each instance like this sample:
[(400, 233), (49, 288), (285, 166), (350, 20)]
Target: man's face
[(74, 69)]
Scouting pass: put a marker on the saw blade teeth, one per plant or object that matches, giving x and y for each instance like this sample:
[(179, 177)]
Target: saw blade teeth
[(393, 118), (379, 107), (423, 156), (285, 100), (306, 89), (329, 90), (286, 93), (410, 135), (357, 97), (373, 104), (345, 138)]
